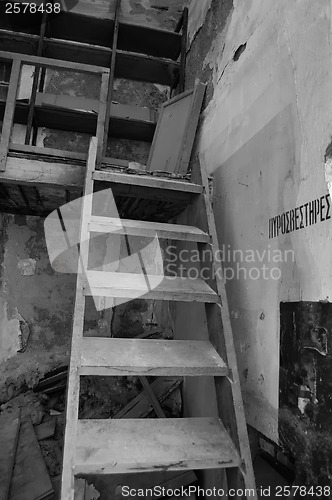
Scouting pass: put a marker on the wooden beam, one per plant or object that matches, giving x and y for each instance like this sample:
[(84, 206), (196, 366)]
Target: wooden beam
[(41, 173), (103, 143), (140, 407), (73, 387), (182, 73), (53, 63), (35, 80), (129, 122), (101, 121), (152, 397), (8, 120), (56, 153)]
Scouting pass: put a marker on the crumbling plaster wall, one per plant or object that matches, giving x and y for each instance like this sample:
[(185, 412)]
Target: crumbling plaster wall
[(263, 136), (36, 302)]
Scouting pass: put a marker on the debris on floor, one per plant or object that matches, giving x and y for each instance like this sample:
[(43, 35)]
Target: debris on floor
[(30, 479), (9, 431), (38, 396)]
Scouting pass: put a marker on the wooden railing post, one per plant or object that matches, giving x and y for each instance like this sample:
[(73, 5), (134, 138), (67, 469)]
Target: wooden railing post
[(112, 75), (35, 80), (102, 113), (8, 118)]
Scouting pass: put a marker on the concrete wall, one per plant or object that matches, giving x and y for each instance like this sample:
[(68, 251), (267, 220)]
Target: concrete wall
[(36, 302), (265, 130)]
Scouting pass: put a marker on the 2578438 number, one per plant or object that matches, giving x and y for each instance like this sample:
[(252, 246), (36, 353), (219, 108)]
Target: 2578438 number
[(303, 491), (32, 8)]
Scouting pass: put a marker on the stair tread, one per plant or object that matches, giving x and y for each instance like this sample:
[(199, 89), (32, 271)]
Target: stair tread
[(140, 445), (147, 229), (146, 181), (130, 285), (112, 356)]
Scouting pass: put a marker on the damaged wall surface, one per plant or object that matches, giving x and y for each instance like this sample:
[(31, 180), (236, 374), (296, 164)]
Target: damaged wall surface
[(36, 302), (263, 136)]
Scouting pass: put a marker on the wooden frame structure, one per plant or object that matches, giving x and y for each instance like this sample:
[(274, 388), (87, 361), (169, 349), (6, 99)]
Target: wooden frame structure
[(40, 62)]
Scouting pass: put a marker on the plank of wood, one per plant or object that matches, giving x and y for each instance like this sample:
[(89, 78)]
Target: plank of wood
[(102, 116), (9, 431), (73, 388), (57, 153), (53, 63), (122, 124), (45, 430), (140, 406), (147, 182), (40, 173), (34, 89), (147, 229), (184, 37), (174, 136), (152, 398), (191, 127), (103, 141), (133, 286), (8, 118), (105, 356), (30, 477), (126, 445), (118, 110)]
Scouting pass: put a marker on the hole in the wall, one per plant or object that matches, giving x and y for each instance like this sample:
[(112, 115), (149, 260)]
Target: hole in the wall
[(239, 51)]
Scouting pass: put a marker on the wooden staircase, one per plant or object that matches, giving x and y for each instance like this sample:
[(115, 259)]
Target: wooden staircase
[(216, 445)]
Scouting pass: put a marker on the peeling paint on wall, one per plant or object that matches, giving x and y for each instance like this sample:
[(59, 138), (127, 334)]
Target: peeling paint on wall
[(263, 135), (197, 14), (31, 293)]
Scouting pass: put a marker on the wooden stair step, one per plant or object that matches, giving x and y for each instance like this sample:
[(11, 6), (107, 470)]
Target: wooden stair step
[(146, 186), (141, 445), (147, 229), (112, 356), (134, 286)]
